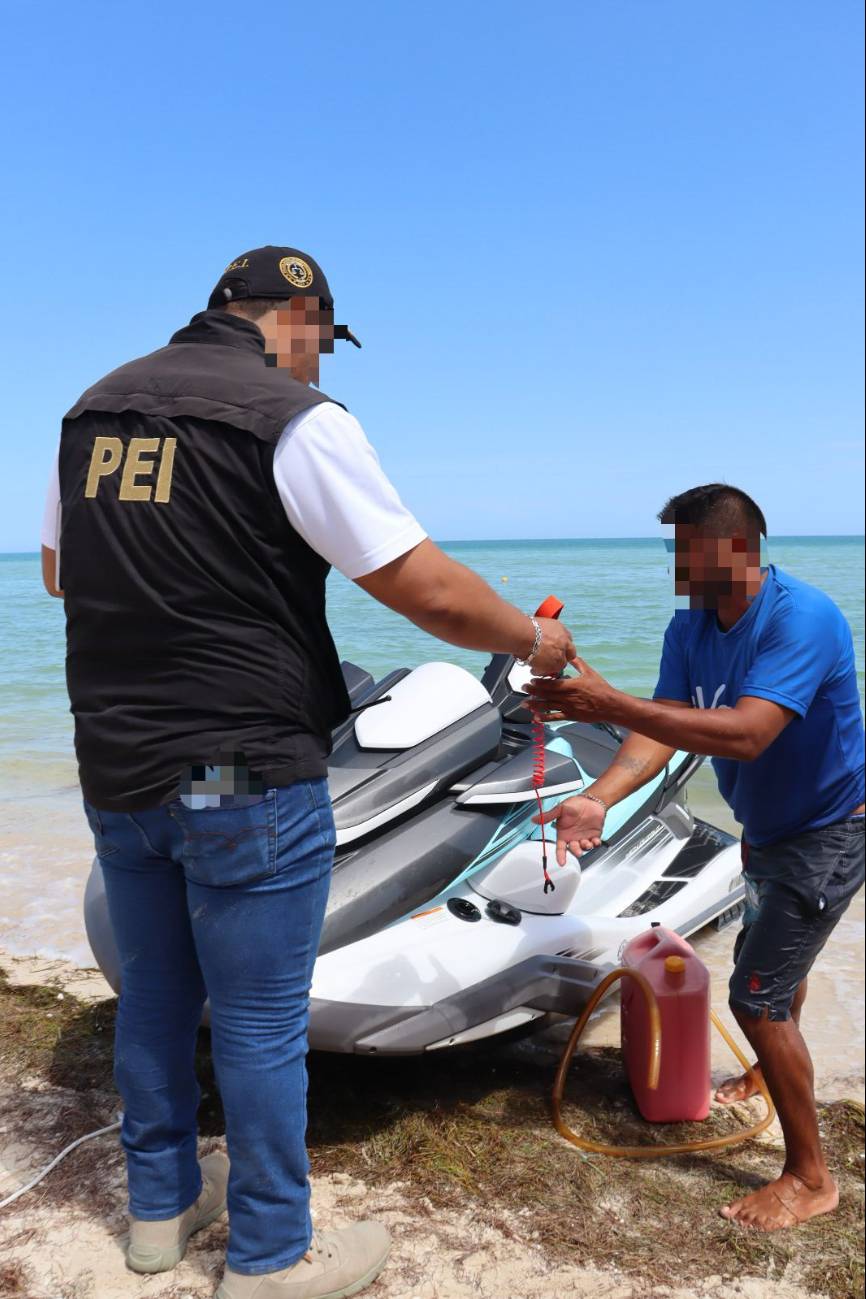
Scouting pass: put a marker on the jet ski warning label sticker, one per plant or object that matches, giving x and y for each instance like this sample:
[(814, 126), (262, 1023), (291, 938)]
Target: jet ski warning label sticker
[(426, 919)]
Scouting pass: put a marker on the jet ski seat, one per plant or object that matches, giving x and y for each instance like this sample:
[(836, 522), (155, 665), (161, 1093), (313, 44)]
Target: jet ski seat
[(431, 698)]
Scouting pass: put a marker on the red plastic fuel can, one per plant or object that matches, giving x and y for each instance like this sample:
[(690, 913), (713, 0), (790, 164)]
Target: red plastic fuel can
[(681, 983)]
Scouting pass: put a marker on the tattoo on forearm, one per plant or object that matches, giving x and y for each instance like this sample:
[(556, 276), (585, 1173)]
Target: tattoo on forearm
[(635, 766)]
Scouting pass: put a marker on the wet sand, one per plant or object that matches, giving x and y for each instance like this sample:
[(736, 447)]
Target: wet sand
[(46, 850)]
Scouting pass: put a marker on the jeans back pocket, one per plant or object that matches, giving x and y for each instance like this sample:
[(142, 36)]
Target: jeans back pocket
[(104, 847), (225, 846)]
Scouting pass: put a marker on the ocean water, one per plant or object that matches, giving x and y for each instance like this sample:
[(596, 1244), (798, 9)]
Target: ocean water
[(618, 598), (617, 594)]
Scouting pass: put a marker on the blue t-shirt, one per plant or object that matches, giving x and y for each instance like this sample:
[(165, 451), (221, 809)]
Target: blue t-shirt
[(792, 646)]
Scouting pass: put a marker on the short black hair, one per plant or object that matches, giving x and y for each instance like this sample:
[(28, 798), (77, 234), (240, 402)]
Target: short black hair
[(254, 308), (725, 509), (250, 308)]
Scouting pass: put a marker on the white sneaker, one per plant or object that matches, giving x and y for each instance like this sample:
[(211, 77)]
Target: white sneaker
[(337, 1264), (158, 1246)]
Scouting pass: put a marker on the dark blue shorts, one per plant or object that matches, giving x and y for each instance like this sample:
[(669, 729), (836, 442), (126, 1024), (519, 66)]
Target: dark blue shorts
[(797, 890)]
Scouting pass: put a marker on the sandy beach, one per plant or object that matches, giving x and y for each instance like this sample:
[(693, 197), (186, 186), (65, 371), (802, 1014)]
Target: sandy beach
[(549, 1224), (570, 1227)]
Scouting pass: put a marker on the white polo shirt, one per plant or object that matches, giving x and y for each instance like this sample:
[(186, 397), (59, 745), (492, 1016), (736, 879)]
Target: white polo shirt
[(333, 491)]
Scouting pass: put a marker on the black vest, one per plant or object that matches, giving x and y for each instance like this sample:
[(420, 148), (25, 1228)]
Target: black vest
[(195, 613)]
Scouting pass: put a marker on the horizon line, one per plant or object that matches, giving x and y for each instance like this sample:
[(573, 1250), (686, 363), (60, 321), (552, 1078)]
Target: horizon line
[(487, 541)]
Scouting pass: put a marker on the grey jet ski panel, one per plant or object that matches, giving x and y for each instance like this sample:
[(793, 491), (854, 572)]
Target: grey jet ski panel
[(402, 869), (593, 749), (551, 984), (512, 778), (358, 681), (438, 762), (343, 780)]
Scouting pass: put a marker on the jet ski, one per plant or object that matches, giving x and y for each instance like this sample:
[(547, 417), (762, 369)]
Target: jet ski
[(439, 930)]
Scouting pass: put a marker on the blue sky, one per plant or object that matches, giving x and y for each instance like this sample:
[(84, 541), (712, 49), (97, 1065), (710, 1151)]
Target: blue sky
[(596, 252)]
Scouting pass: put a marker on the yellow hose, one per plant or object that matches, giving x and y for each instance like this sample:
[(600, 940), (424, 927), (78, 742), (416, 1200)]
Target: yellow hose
[(650, 1152)]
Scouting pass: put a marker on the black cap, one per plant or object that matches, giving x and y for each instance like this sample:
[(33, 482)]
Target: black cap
[(278, 273)]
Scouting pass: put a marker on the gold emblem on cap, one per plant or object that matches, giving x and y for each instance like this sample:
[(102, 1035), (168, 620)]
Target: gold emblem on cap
[(296, 271)]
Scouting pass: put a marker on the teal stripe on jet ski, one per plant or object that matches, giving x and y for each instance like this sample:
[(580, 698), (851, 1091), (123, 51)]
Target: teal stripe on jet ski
[(626, 808), (513, 829), (620, 812), (516, 826), (560, 745)]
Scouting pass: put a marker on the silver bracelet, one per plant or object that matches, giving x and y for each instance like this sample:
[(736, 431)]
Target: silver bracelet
[(595, 799), (524, 663)]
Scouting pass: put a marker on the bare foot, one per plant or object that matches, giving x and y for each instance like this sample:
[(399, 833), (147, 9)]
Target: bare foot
[(784, 1203), (741, 1088)]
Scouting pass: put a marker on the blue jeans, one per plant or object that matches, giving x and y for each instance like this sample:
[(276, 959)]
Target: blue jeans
[(225, 903)]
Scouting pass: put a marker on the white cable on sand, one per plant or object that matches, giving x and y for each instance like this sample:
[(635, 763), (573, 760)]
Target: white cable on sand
[(22, 1190)]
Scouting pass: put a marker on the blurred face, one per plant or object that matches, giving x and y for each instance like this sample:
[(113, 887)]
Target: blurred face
[(296, 332), (716, 572)]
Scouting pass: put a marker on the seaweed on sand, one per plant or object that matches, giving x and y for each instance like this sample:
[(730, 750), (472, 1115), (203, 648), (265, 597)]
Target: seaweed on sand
[(469, 1129)]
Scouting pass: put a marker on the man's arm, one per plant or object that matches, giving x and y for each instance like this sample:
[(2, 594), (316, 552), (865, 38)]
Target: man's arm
[(449, 601), (742, 732), (49, 568), (580, 821), (50, 528), (637, 761), (336, 496)]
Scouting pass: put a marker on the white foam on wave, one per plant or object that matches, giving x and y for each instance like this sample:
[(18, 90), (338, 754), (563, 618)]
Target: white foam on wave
[(45, 858)]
